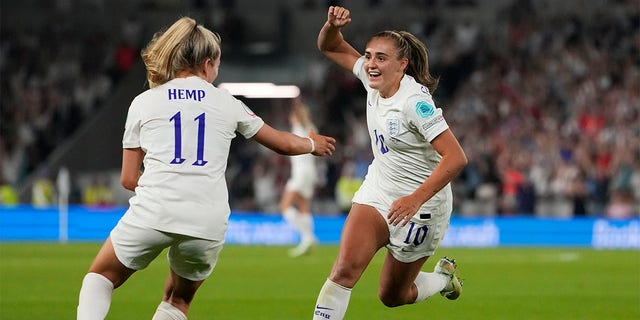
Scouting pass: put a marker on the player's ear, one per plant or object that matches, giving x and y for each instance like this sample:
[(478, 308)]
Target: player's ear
[(207, 62)]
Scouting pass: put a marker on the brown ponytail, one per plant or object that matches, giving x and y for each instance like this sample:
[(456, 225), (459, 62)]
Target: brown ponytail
[(415, 51)]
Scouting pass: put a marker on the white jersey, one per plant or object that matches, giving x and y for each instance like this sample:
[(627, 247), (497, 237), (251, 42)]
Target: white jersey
[(304, 173), (401, 128), (185, 128), (303, 165)]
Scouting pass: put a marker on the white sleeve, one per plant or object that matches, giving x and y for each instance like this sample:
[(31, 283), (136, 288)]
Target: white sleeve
[(248, 122), (131, 137), (358, 71), (422, 113)]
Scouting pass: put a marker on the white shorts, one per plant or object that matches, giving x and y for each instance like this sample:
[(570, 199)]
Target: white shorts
[(417, 239), (302, 185), (191, 258)]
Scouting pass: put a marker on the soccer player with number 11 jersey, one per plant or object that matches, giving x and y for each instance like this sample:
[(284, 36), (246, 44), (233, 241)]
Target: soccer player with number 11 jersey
[(180, 131)]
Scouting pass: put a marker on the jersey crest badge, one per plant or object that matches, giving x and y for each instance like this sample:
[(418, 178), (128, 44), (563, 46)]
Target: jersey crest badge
[(424, 109), (393, 127)]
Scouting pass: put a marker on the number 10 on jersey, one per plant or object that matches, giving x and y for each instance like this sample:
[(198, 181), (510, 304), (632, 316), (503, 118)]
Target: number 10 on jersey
[(177, 126)]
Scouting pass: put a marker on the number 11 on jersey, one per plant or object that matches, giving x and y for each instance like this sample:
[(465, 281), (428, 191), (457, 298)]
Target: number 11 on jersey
[(177, 126)]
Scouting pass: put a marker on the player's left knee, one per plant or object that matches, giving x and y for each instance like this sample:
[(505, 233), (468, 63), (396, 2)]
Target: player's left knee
[(390, 299)]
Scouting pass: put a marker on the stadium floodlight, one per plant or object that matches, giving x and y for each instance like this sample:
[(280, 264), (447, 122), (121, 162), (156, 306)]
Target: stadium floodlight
[(260, 89)]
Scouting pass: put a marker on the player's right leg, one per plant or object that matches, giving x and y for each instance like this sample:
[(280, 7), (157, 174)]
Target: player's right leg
[(302, 220), (105, 274), (365, 231), (130, 247)]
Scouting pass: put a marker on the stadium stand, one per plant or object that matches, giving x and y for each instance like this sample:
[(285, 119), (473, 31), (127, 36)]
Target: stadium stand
[(544, 95)]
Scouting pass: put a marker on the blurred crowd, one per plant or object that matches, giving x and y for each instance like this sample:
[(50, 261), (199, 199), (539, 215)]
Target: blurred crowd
[(56, 73), (544, 97), (549, 113)]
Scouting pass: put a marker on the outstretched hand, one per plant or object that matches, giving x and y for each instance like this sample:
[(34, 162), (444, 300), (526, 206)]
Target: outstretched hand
[(325, 146), (338, 17)]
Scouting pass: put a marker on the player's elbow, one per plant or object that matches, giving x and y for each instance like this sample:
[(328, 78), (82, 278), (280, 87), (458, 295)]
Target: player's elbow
[(128, 183), (324, 48), (464, 160), (327, 47), (461, 161), (455, 163)]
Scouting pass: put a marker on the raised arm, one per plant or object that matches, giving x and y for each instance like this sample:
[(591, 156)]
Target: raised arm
[(331, 42), (287, 143)]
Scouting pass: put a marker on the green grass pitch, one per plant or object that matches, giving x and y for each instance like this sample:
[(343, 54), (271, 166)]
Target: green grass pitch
[(41, 281)]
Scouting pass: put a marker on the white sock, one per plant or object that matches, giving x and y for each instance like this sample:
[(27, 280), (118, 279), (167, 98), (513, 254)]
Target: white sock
[(166, 311), (429, 283), (306, 227), (292, 216), (332, 302), (95, 297)]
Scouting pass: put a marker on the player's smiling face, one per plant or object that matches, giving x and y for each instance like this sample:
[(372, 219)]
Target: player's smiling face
[(383, 67)]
